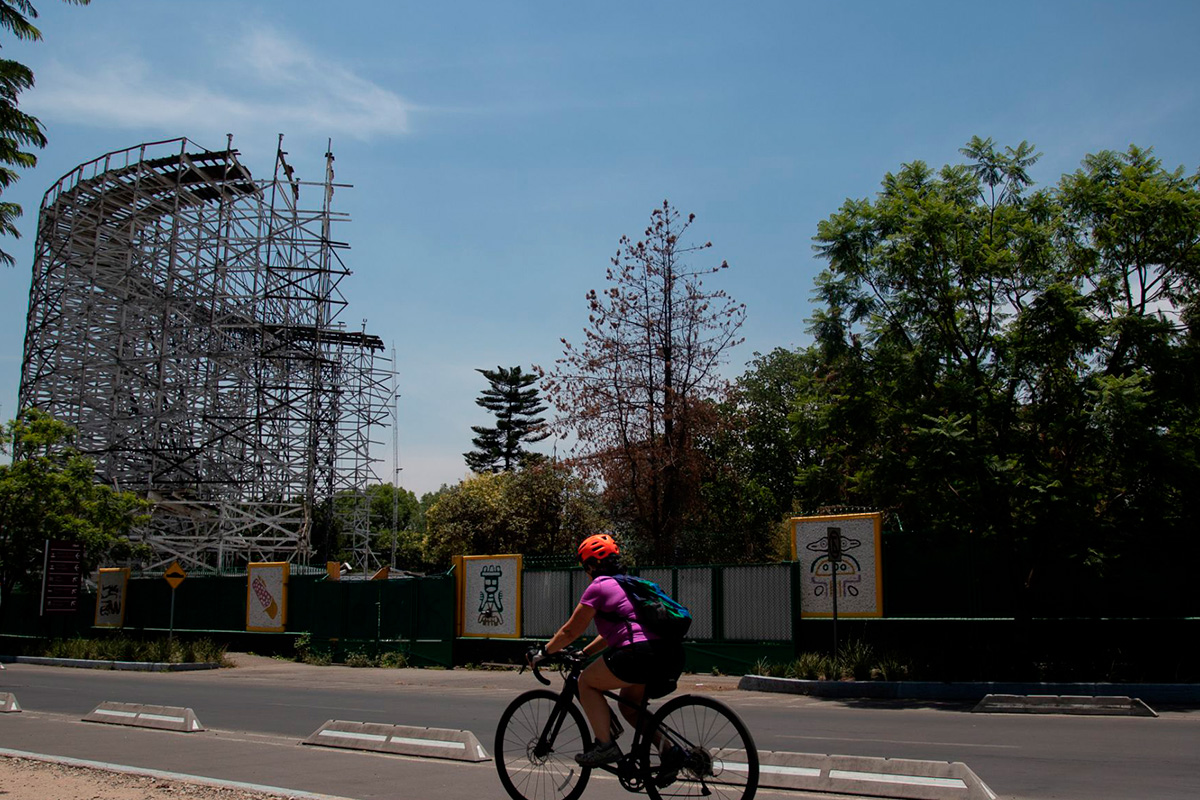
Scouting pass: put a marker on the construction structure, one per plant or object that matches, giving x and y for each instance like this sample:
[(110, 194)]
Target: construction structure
[(184, 318)]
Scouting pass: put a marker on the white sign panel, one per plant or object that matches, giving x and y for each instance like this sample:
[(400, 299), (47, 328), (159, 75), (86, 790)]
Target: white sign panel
[(266, 596), (111, 585), (491, 596), (859, 581)]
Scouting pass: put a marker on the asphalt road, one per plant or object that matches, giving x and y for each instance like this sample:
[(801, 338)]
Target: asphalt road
[(1019, 756)]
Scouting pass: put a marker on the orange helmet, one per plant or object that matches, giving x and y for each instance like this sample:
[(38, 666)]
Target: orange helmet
[(599, 547)]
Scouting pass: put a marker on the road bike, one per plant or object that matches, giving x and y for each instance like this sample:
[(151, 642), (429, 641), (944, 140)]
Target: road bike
[(692, 746)]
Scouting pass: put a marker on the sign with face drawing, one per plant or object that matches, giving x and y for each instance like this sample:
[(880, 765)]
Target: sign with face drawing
[(859, 580), (490, 599)]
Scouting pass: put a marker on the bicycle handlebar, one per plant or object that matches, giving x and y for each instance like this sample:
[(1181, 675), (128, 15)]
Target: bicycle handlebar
[(564, 657)]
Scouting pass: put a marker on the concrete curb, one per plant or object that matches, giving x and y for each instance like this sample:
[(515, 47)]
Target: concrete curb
[(1181, 693), (137, 715), (1063, 704), (134, 666), (908, 779), (404, 740), (8, 703)]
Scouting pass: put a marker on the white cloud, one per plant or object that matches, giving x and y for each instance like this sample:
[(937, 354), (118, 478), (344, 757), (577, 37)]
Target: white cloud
[(263, 82)]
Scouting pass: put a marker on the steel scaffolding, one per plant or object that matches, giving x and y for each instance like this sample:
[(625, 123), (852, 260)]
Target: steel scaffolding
[(184, 318)]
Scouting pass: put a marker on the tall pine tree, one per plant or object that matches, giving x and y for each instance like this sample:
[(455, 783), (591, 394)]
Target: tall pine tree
[(513, 398)]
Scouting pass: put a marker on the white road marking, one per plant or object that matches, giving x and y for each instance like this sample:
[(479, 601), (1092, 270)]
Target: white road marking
[(430, 742), (897, 741), (908, 780), (367, 737)]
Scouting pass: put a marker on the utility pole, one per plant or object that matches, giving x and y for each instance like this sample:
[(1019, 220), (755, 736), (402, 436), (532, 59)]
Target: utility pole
[(833, 543), (395, 454)]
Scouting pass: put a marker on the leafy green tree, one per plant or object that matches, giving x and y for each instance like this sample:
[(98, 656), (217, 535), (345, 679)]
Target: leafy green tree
[(637, 394), (999, 363), (513, 398), (542, 510), (19, 132), (49, 492), (390, 503), (749, 486)]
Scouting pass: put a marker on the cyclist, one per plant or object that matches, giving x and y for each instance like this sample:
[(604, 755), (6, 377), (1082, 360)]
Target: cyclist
[(634, 659)]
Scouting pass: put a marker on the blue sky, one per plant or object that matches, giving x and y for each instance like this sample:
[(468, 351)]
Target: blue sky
[(499, 150)]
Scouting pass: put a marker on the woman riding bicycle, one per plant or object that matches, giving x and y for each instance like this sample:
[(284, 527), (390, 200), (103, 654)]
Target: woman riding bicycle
[(634, 658)]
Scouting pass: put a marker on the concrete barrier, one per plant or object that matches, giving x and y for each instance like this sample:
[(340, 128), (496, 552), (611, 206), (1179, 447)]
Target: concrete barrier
[(861, 775), (1064, 704), (403, 740), (138, 715), (8, 702)]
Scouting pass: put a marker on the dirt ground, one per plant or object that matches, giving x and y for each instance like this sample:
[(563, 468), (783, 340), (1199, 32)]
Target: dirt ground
[(28, 779)]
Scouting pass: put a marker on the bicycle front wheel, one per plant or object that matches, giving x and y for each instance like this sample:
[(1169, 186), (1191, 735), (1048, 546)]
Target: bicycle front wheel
[(535, 752), (701, 749)]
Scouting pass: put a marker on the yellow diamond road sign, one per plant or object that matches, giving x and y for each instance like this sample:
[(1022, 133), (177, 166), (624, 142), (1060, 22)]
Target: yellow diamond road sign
[(174, 574)]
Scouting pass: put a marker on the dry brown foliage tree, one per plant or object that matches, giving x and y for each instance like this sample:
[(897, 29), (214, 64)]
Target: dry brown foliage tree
[(636, 394)]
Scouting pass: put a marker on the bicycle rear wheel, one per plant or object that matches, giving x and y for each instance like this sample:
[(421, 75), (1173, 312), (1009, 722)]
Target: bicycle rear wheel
[(532, 771), (716, 757)]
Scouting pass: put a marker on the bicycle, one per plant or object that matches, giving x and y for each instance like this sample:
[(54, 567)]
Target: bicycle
[(541, 731)]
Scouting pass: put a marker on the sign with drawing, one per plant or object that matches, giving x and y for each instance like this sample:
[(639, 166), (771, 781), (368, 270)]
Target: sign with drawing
[(490, 595), (266, 596), (111, 585), (850, 544)]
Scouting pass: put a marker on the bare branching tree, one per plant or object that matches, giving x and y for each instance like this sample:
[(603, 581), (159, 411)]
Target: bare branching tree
[(636, 393)]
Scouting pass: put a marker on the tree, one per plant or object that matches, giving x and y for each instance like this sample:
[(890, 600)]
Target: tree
[(512, 397), (749, 487), (1005, 365), (18, 131), (543, 510), (49, 492), (390, 503), (636, 393)]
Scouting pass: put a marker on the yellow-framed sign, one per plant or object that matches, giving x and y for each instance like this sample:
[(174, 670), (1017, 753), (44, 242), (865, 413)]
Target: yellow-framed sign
[(112, 584), (266, 596), (859, 576), (489, 592)]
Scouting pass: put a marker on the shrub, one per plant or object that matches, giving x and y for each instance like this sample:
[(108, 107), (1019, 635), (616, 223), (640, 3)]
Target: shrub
[(359, 660), (811, 666), (167, 651), (393, 660), (854, 661), (207, 650), (303, 646), (320, 658)]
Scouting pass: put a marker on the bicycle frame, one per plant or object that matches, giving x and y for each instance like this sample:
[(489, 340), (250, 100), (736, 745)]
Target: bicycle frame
[(569, 695)]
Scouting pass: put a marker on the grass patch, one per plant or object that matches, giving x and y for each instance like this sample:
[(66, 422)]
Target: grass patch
[(123, 648)]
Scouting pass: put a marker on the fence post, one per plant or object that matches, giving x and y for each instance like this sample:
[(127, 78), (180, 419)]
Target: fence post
[(797, 594), (718, 601)]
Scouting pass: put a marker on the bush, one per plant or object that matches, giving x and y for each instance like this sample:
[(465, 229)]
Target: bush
[(855, 661), (206, 650), (303, 646), (393, 660), (359, 660), (122, 648)]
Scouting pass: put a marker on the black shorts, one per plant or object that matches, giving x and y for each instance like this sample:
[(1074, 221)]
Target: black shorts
[(656, 663)]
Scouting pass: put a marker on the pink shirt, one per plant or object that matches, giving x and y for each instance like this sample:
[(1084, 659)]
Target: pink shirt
[(606, 596)]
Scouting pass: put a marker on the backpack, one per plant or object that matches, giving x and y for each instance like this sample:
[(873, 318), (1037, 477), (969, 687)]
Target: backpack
[(656, 611)]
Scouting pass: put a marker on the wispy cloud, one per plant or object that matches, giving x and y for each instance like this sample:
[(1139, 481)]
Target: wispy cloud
[(264, 81)]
